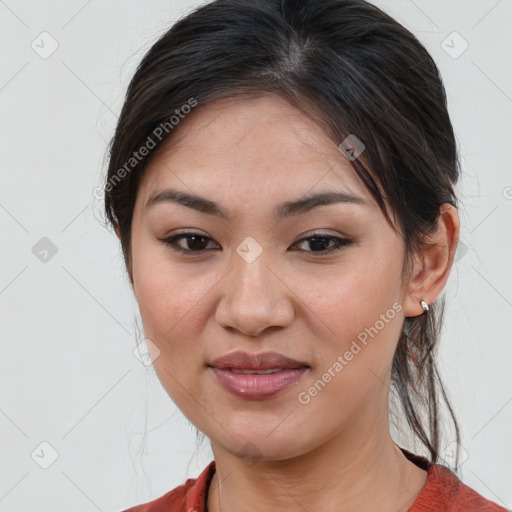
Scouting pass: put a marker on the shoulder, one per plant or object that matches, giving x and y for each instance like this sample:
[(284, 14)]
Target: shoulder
[(188, 497), (444, 492)]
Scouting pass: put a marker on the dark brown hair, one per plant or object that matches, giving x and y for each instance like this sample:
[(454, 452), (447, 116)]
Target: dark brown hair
[(355, 70)]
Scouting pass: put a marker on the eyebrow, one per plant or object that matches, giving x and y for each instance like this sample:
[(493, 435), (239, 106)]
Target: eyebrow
[(287, 209)]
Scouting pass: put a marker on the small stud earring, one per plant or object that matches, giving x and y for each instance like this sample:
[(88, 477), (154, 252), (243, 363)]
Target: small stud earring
[(425, 306)]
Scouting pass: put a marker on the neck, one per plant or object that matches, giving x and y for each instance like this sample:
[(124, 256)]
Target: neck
[(356, 470)]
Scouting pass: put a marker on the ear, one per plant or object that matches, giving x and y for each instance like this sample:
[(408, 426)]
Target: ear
[(432, 267)]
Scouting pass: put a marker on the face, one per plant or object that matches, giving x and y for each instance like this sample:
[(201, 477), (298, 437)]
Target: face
[(320, 284)]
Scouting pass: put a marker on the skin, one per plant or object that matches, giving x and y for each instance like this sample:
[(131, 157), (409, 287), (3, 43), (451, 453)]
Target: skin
[(336, 451)]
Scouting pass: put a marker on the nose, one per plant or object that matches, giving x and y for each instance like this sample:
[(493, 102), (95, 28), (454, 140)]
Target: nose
[(255, 297)]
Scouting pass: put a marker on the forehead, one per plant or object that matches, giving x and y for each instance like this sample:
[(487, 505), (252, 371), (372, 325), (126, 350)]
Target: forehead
[(260, 146)]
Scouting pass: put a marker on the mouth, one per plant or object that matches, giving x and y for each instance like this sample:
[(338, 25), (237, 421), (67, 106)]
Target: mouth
[(257, 376), (254, 372)]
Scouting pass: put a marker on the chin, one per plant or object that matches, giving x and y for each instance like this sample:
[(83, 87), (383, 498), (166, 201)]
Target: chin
[(256, 446)]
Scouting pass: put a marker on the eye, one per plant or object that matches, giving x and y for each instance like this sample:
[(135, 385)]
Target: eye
[(319, 240), (196, 243)]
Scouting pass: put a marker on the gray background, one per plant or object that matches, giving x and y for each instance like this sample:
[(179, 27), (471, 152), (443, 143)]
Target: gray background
[(68, 376)]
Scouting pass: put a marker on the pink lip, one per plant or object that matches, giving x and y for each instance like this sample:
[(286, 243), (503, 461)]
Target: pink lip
[(261, 361), (257, 386)]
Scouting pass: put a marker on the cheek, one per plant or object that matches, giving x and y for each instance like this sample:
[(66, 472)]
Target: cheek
[(359, 305), (353, 295), (169, 302), (171, 308), (166, 294)]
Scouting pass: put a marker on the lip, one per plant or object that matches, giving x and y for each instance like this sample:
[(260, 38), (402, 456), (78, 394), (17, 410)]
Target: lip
[(262, 361), (257, 386)]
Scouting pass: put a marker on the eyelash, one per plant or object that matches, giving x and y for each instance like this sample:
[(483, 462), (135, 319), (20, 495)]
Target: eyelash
[(340, 243)]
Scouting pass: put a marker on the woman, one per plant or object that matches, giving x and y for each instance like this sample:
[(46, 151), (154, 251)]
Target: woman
[(281, 181)]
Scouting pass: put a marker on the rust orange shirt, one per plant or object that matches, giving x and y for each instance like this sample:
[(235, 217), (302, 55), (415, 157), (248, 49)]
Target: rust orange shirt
[(442, 492)]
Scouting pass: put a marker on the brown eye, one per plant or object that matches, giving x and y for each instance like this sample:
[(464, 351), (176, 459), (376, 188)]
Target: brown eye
[(320, 241), (194, 242)]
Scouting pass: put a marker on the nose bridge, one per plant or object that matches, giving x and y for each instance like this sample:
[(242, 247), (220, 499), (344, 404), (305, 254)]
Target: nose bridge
[(252, 279), (254, 297)]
